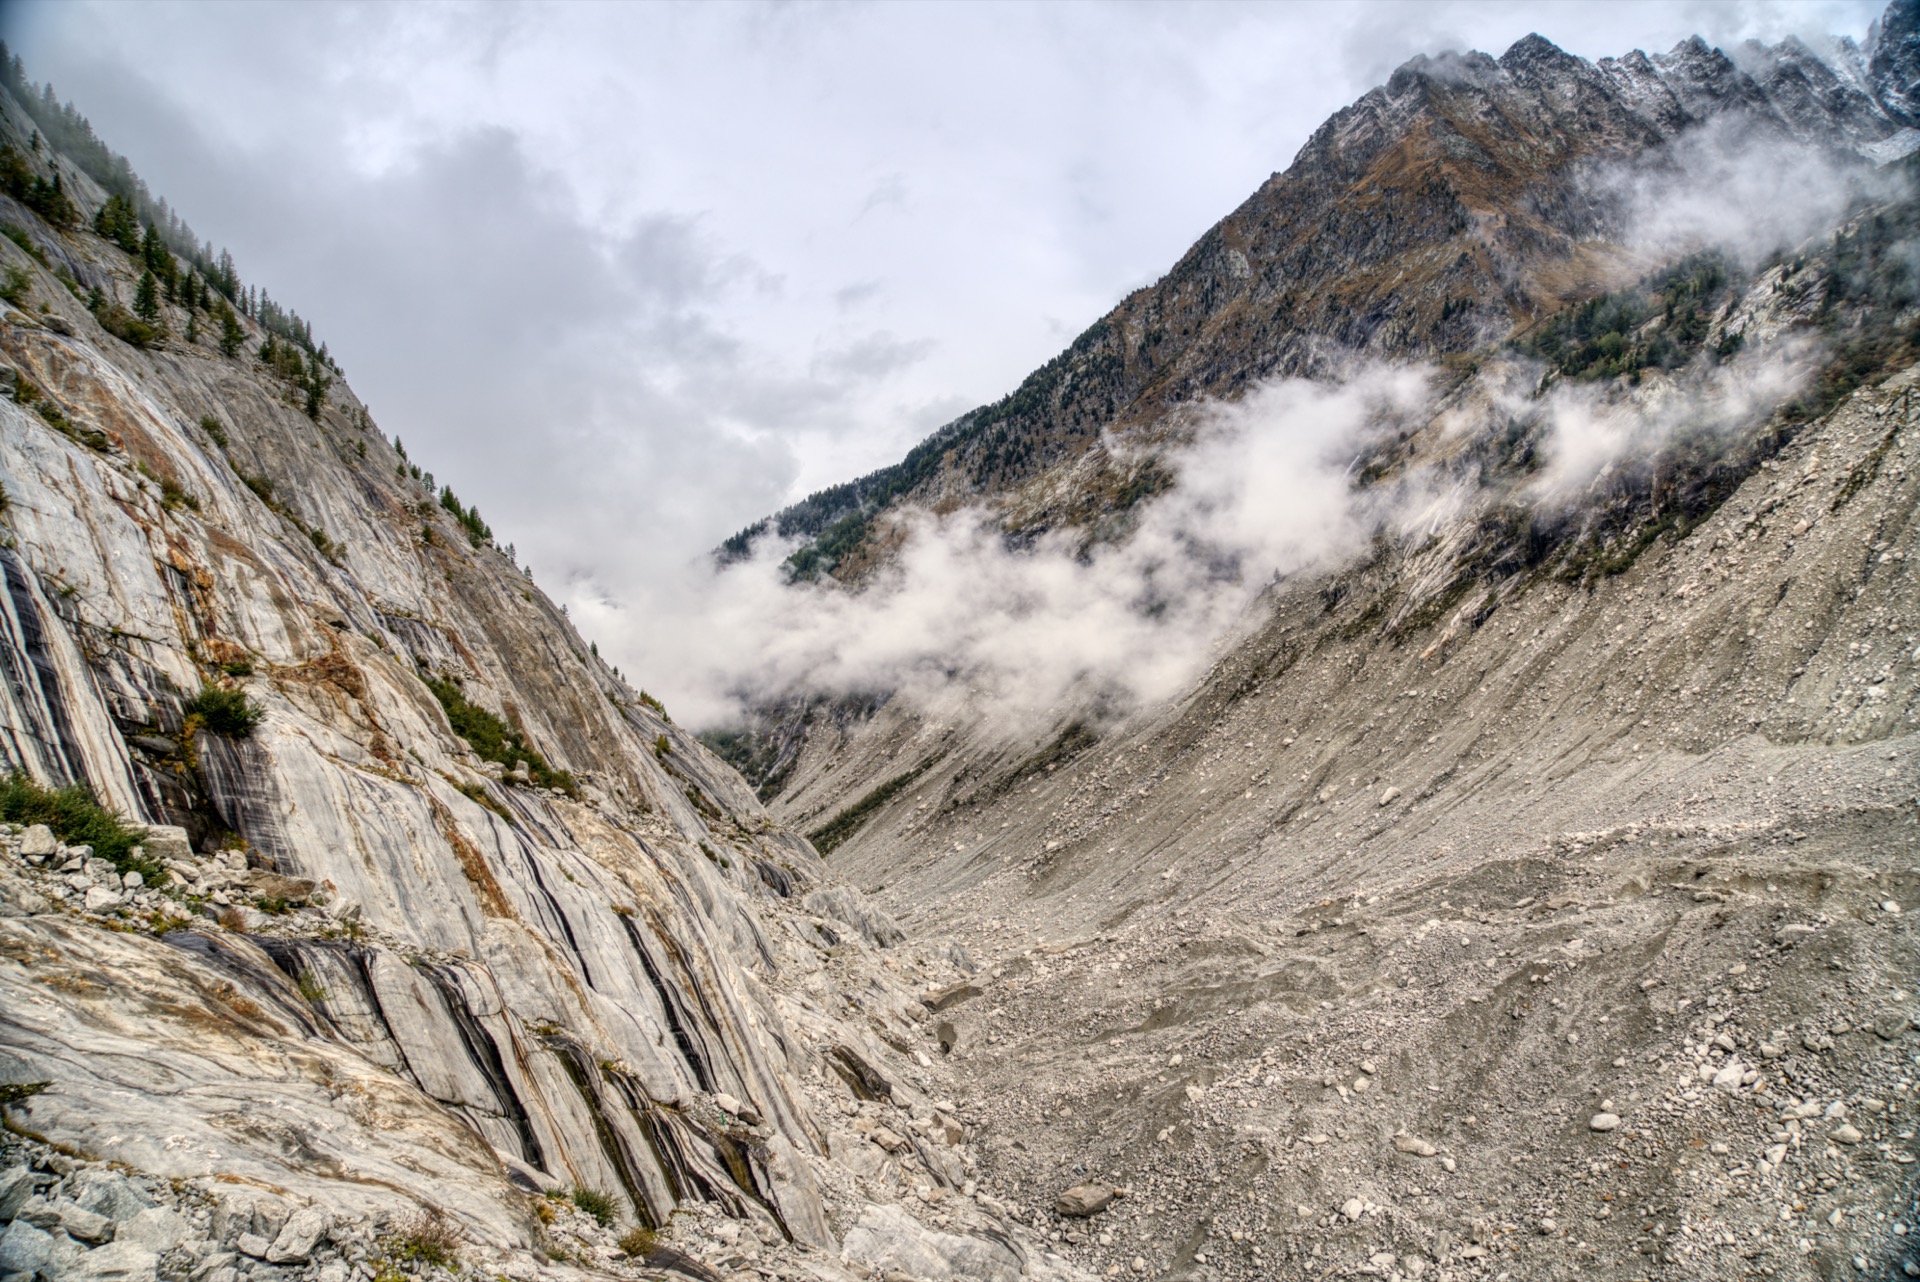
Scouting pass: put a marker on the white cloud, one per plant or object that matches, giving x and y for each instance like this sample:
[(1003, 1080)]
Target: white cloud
[(631, 276)]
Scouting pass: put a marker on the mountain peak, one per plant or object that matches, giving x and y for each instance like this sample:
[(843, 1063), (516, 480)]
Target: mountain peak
[(1535, 49)]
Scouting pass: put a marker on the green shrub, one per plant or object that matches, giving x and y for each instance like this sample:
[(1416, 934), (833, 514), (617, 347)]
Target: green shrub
[(16, 286), (426, 1238), (174, 496), (600, 1206), (212, 427), (127, 327), (18, 235), (638, 1242), (224, 712), (493, 739), (78, 819)]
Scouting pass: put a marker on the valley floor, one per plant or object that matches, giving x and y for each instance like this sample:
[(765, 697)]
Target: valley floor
[(1575, 942)]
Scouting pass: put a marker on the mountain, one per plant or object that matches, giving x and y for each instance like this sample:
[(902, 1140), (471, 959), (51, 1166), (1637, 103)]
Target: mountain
[(1450, 207), (352, 911), (1527, 891), (1520, 891)]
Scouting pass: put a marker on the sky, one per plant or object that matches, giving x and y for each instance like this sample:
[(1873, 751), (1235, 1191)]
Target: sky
[(631, 276)]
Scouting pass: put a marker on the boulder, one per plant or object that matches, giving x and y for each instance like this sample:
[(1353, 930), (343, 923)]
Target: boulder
[(887, 1239), (165, 841), (83, 1225), (745, 1112), (121, 1262), (1414, 1146), (38, 842), (672, 1260), (100, 899), (273, 885), (296, 1240), (16, 1186), (26, 1249), (1083, 1201), (889, 1140), (155, 1229), (861, 1077)]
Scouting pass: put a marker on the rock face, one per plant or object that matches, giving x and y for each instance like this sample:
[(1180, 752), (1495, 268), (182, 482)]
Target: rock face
[(1467, 195), (361, 966)]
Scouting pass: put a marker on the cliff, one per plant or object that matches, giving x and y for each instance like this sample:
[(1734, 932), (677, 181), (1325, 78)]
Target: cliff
[(361, 966)]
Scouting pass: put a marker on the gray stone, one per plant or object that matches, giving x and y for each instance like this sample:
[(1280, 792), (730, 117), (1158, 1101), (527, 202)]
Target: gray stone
[(254, 1245), (1847, 1133), (24, 1248), (83, 1225), (39, 841), (846, 905), (887, 1238), (120, 1262), (156, 1229), (295, 1243), (1603, 1122), (272, 885), (165, 841), (1084, 1200), (41, 1213), (1414, 1145), (100, 899), (745, 1112), (16, 1186), (941, 999)]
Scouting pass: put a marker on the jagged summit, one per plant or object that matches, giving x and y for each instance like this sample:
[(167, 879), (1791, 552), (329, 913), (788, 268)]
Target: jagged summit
[(1441, 211)]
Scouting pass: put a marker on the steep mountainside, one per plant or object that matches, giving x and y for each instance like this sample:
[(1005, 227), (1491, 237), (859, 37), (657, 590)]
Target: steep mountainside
[(436, 915), (1529, 896), (1464, 198)]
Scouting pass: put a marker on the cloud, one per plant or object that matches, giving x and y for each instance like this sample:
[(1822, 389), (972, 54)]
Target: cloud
[(873, 356), (965, 621), (599, 265), (1738, 186), (1595, 431), (1263, 490)]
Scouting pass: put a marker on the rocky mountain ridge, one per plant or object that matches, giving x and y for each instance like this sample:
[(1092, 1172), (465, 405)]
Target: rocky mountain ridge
[(1443, 211), (1529, 893), (428, 930)]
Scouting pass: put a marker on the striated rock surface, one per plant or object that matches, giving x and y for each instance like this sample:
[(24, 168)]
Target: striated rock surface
[(363, 974)]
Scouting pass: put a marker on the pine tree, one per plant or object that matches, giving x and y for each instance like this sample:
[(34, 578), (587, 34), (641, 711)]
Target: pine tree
[(231, 335), (317, 384), (193, 326), (146, 299)]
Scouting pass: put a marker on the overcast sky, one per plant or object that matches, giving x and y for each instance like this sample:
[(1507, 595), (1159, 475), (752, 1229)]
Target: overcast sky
[(632, 275)]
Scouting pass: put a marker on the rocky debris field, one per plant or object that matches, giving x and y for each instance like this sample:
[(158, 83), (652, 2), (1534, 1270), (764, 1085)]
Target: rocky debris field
[(888, 1143), (1571, 937)]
